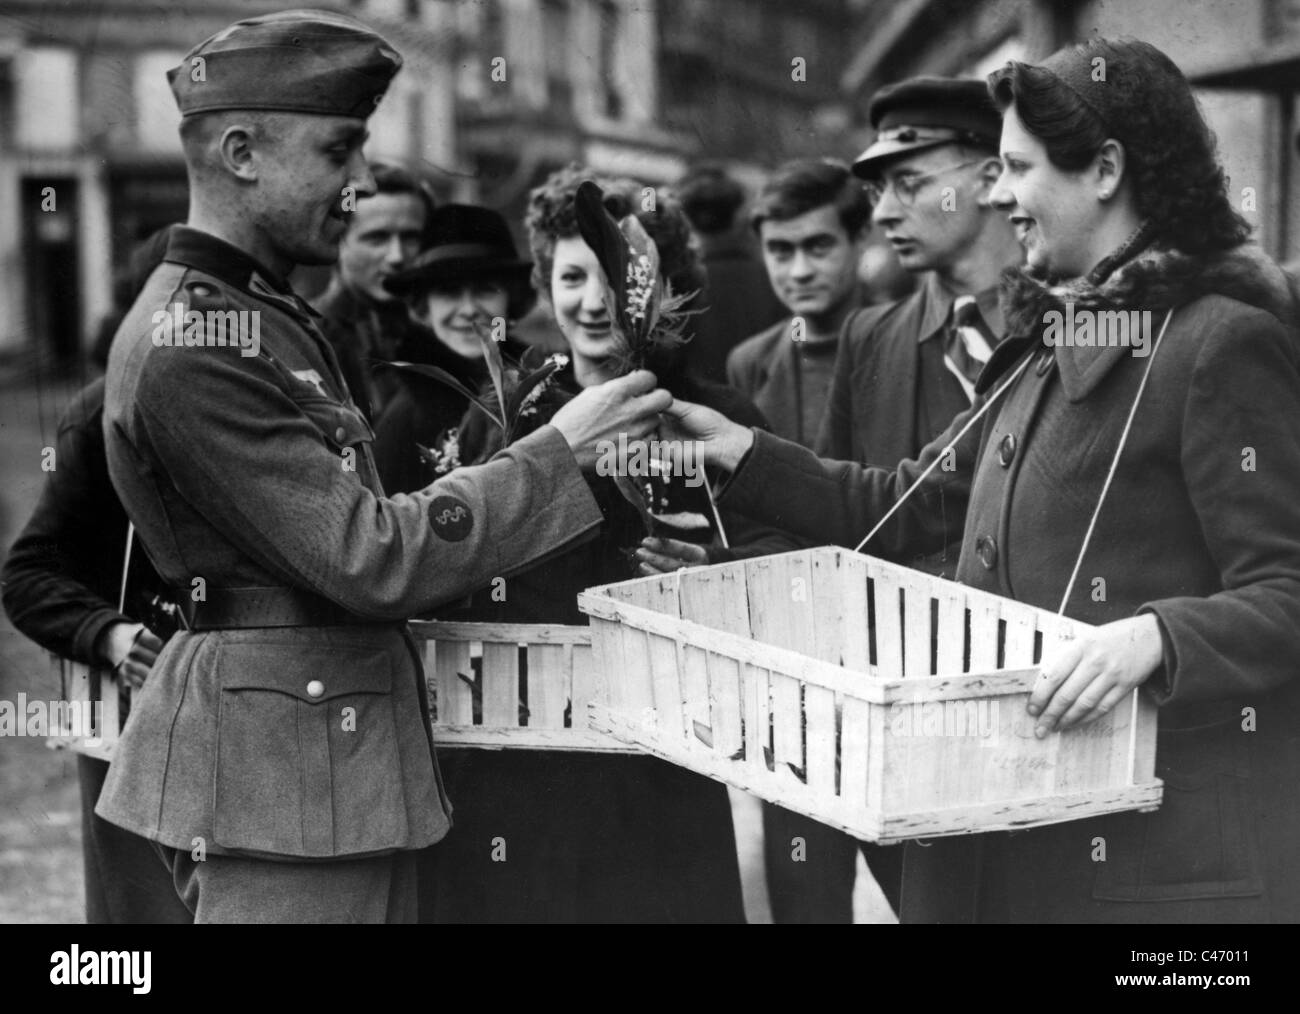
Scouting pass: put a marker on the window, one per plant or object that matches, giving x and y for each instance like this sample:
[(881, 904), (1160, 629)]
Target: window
[(47, 113), (555, 52), (610, 25)]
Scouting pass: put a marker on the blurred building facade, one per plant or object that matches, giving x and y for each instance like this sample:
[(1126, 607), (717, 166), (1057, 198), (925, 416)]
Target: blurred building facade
[(90, 159), (643, 88), (1243, 56), (495, 94)]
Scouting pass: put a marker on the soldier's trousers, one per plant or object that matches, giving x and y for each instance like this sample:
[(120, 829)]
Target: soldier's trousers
[(124, 883), (233, 889)]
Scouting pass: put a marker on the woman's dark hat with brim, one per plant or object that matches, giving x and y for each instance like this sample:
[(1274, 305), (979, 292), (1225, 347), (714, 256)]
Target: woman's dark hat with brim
[(468, 241)]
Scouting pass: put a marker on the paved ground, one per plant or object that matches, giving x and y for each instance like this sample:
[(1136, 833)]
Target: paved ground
[(40, 841)]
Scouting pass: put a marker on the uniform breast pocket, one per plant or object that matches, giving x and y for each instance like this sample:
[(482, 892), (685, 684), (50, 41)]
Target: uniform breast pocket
[(1203, 842), (343, 429), (307, 758)]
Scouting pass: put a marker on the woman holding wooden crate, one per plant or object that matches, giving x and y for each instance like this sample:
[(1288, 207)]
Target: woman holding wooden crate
[(564, 836), (1147, 479)]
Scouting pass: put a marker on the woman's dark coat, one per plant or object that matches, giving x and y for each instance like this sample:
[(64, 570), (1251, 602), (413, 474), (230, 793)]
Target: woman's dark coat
[(1201, 528), (422, 409)]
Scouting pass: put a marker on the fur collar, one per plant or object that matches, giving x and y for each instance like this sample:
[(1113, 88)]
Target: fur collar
[(1155, 278)]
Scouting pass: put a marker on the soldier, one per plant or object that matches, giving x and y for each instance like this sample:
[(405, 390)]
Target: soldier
[(280, 753)]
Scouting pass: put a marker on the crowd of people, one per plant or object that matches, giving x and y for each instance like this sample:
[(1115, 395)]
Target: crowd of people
[(820, 382)]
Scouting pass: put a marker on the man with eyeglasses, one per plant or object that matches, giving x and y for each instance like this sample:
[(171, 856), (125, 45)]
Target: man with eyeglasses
[(902, 370)]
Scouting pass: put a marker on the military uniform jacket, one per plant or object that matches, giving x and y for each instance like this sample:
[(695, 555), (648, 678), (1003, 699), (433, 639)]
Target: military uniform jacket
[(245, 471), (1196, 529)]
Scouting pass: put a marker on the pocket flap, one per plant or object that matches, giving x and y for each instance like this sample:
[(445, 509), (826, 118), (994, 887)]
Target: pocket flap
[(310, 674)]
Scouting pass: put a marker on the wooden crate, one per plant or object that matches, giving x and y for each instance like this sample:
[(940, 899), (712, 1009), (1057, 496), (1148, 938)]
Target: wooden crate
[(869, 696), (85, 688), (523, 685)]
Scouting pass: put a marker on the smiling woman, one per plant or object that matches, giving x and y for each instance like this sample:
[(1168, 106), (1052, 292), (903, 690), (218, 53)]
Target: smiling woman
[(595, 837), (1121, 490)]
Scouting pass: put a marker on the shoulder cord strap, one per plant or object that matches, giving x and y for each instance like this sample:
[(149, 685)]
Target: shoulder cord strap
[(940, 456), (1114, 464), (126, 567)]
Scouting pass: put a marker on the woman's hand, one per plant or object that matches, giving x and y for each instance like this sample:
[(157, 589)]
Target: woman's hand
[(1091, 674), (721, 442), (663, 556)]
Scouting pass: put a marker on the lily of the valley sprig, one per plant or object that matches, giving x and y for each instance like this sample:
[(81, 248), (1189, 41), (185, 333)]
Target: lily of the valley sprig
[(646, 315)]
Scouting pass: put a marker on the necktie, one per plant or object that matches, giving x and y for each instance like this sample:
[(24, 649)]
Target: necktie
[(967, 344)]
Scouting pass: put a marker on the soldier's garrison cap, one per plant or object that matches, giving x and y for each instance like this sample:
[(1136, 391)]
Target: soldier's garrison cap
[(299, 61), (924, 112)]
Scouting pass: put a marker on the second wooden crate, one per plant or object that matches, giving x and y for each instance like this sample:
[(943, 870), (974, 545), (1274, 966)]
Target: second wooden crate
[(521, 685)]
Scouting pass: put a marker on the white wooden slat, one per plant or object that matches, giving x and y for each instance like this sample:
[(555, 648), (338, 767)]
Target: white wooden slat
[(666, 689), (724, 700), (455, 696), (853, 627), (585, 688), (855, 741), (695, 689), (787, 720), (1020, 637), (757, 707), (549, 666), (501, 684), (889, 629), (819, 710), (916, 627), (983, 633), (951, 631)]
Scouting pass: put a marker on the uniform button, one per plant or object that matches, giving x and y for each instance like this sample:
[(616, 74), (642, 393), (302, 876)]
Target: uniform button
[(340, 434), (315, 688), (200, 288), (987, 550), (1007, 450)]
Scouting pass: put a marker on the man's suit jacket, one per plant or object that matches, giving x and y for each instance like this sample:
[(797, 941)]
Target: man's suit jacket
[(890, 394), (247, 471)]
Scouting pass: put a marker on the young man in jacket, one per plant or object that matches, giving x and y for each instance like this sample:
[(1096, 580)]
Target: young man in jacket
[(901, 372), (361, 319)]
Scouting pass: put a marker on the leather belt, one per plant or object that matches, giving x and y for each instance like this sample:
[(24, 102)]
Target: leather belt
[(250, 608)]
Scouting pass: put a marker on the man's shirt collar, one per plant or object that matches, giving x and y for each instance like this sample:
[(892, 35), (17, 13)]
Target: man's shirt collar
[(936, 308)]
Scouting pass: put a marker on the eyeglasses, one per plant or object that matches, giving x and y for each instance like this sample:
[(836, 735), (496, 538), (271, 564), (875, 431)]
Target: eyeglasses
[(906, 188)]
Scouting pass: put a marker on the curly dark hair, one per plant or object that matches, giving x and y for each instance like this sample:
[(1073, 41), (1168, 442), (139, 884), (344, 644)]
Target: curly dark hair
[(805, 184), (551, 217), (1178, 184)]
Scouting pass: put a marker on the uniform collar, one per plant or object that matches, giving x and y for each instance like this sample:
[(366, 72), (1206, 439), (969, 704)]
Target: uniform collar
[(211, 255)]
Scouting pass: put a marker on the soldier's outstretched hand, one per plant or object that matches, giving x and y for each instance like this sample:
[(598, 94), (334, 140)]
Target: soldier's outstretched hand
[(627, 405)]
